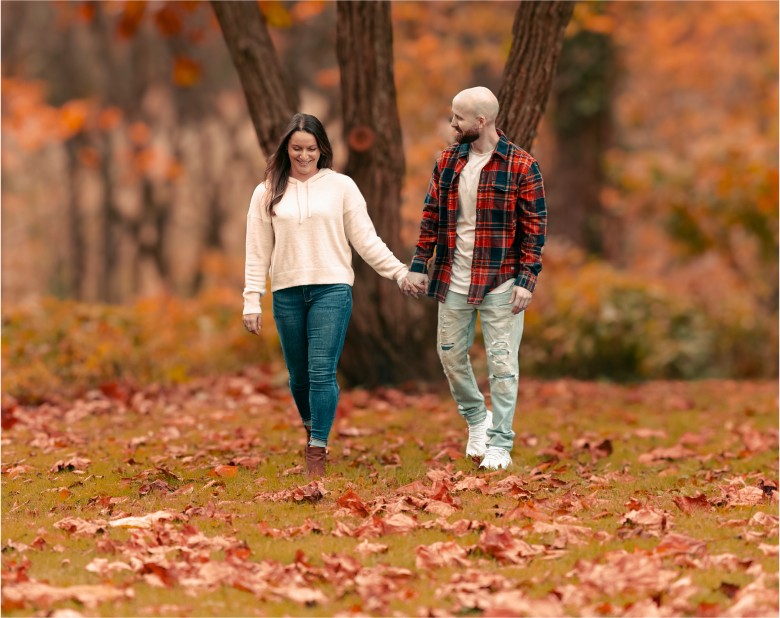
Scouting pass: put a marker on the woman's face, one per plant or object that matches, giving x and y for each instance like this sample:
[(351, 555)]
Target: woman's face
[(304, 154)]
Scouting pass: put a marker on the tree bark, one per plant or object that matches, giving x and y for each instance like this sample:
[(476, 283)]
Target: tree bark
[(390, 338), (582, 119), (77, 262), (271, 100), (528, 75)]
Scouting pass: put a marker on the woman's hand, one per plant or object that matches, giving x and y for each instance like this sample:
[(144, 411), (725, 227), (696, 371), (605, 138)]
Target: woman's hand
[(252, 323)]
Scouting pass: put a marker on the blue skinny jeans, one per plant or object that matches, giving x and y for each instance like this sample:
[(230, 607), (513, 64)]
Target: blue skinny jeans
[(312, 323)]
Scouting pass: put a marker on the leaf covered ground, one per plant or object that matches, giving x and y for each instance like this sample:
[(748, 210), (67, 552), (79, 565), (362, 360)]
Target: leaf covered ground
[(658, 499)]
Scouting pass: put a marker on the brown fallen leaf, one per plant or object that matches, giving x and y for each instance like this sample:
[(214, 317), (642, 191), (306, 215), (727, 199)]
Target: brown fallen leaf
[(145, 521), (36, 594), (565, 533), (398, 524), (443, 554), (690, 504), (735, 493), (415, 487), (674, 543), (442, 509), (75, 525), (74, 463), (754, 440), (365, 548), (504, 547), (224, 471), (468, 483), (665, 454), (472, 589), (645, 432), (620, 571), (518, 603), (307, 527), (765, 520), (351, 501), (767, 549), (526, 509), (17, 470), (651, 520), (313, 492), (296, 469)]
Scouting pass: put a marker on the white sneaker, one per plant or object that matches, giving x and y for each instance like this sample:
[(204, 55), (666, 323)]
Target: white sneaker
[(478, 437), (496, 458)]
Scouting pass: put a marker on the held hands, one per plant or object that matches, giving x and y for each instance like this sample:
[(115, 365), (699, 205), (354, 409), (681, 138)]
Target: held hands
[(252, 323), (521, 298), (413, 284)]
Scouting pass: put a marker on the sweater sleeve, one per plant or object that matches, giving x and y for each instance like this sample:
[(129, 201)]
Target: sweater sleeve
[(259, 246), (362, 235)]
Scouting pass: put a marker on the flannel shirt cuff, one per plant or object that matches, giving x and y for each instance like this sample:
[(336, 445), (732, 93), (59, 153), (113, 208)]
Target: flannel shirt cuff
[(527, 281), (418, 266)]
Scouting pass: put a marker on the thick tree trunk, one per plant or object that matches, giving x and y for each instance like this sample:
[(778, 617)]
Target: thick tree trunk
[(271, 101), (582, 98), (390, 338), (536, 44)]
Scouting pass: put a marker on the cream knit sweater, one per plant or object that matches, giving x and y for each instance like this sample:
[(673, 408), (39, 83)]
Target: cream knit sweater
[(307, 241)]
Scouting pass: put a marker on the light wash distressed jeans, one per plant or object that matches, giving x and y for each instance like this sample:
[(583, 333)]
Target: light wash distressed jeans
[(502, 331)]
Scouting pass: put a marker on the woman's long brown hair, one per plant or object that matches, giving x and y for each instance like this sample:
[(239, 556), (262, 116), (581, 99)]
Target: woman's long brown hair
[(277, 172)]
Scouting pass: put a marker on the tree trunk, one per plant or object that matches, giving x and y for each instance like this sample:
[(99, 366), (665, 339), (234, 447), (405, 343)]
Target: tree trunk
[(582, 99), (107, 290), (536, 44), (390, 338), (271, 101), (77, 266)]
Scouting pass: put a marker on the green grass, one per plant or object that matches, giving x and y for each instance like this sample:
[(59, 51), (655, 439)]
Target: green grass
[(174, 438)]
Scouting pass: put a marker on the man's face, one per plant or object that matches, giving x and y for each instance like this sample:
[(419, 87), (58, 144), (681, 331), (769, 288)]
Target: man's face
[(467, 126)]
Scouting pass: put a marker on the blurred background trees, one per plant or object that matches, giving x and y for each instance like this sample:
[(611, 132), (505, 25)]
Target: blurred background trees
[(129, 158)]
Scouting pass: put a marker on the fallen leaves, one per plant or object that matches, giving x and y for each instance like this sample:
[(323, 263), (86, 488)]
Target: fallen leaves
[(437, 555), (665, 454), (689, 505), (79, 464), (649, 520), (78, 526), (21, 595), (146, 521), (506, 548), (312, 492), (618, 572), (225, 471), (183, 513)]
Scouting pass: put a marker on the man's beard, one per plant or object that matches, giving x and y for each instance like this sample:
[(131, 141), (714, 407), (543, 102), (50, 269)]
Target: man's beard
[(467, 136)]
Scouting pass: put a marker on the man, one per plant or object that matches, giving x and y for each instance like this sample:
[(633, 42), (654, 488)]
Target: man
[(486, 218)]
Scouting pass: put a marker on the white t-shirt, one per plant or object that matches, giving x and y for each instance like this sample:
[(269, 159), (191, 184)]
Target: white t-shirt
[(466, 226)]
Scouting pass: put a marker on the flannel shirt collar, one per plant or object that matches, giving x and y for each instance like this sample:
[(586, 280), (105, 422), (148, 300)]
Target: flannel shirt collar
[(502, 148)]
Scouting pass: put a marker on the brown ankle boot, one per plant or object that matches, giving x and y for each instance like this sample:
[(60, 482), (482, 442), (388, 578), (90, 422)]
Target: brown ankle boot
[(315, 461)]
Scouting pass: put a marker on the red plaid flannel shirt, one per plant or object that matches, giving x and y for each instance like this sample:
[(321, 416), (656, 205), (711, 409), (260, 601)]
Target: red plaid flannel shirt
[(511, 221)]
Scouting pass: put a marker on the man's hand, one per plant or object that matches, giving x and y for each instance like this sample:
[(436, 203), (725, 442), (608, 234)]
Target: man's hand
[(521, 298), (252, 323), (414, 284)]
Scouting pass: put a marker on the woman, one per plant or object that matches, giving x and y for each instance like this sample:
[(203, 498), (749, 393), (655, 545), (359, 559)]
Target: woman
[(301, 221)]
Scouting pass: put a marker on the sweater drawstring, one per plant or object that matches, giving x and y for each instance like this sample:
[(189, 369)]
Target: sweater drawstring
[(306, 201)]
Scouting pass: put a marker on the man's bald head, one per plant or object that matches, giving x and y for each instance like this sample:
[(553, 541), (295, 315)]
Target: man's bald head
[(480, 101)]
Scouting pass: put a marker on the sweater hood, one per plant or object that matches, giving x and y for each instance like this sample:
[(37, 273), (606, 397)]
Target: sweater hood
[(301, 189)]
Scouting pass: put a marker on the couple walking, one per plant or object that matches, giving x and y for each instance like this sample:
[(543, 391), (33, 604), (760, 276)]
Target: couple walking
[(485, 216)]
